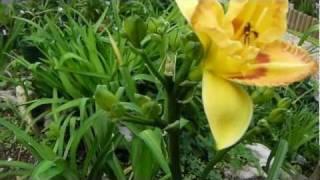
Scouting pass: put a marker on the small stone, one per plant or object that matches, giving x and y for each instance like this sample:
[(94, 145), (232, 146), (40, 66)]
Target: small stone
[(125, 132), (301, 160), (261, 152), (248, 172)]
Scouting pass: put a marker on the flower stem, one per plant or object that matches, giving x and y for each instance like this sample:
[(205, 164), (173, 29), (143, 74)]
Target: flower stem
[(217, 158), (172, 115)]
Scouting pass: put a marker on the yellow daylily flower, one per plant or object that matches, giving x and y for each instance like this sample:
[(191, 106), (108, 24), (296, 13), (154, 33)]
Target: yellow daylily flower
[(243, 46)]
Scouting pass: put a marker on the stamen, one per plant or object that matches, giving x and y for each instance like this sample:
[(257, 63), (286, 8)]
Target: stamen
[(247, 33), (246, 20)]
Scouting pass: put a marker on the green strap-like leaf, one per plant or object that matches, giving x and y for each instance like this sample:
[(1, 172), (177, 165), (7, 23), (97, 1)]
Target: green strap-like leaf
[(152, 138), (279, 158), (16, 164), (46, 170), (143, 162)]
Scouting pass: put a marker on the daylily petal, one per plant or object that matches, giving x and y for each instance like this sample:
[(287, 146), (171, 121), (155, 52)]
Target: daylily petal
[(202, 13), (187, 8), (228, 109), (264, 21), (207, 19), (234, 8), (208, 14), (278, 63)]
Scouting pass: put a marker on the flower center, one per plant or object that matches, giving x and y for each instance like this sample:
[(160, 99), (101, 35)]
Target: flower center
[(249, 35), (250, 21)]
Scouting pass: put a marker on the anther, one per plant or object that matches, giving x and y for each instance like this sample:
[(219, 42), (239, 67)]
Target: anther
[(247, 31)]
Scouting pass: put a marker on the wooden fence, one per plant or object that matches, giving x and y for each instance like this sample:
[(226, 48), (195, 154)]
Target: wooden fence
[(300, 22)]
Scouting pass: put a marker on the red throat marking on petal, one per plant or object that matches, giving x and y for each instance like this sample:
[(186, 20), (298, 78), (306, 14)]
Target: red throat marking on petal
[(253, 75), (262, 58)]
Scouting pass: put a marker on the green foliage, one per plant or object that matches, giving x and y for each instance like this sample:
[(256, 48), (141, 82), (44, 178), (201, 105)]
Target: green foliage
[(301, 129), (59, 158), (308, 33), (144, 165), (75, 59), (9, 32), (135, 30), (96, 68), (308, 36), (290, 114), (105, 99), (306, 6), (279, 158)]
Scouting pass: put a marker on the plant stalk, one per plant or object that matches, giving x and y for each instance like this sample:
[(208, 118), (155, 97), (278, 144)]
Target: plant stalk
[(217, 158), (172, 115)]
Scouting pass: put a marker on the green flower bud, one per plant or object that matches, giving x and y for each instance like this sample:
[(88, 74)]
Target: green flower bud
[(117, 111), (174, 39), (192, 49), (256, 96), (152, 25), (151, 109), (104, 98), (258, 130), (268, 94), (276, 116), (135, 29), (263, 123), (141, 99), (195, 74), (161, 29), (284, 103), (157, 25), (53, 131), (255, 131), (262, 95), (184, 69)]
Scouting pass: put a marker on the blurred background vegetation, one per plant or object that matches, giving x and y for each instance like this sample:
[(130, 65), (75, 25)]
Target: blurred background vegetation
[(310, 7)]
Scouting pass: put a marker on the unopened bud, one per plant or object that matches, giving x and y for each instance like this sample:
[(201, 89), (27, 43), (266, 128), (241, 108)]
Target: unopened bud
[(151, 109), (277, 116), (104, 98), (152, 25), (263, 123), (141, 99), (135, 29), (195, 74), (284, 103), (174, 39), (262, 95), (117, 111)]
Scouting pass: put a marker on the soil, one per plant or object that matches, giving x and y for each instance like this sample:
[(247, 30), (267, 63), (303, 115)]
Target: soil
[(15, 151)]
